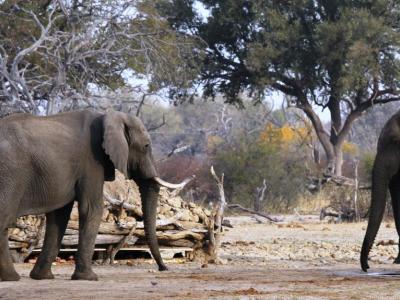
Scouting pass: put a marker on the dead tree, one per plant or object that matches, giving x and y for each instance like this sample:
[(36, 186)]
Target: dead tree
[(215, 224), (268, 217), (82, 49), (356, 187), (260, 194)]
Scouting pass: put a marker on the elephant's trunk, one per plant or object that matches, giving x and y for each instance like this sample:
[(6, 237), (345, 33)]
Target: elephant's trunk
[(149, 194), (380, 181)]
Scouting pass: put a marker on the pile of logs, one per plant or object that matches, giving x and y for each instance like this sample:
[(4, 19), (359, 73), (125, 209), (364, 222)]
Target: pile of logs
[(179, 223)]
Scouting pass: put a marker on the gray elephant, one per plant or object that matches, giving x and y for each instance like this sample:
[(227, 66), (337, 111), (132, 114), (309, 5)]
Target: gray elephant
[(47, 163), (385, 175)]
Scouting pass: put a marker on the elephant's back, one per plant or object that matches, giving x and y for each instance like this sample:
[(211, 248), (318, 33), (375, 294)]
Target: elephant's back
[(60, 136)]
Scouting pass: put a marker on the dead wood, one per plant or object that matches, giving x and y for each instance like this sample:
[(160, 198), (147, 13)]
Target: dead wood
[(101, 239), (173, 235), (39, 237), (178, 224), (129, 207), (238, 206), (260, 195), (121, 244), (215, 223), (107, 228)]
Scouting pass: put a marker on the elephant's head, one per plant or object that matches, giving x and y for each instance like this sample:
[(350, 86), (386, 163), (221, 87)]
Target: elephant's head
[(128, 144)]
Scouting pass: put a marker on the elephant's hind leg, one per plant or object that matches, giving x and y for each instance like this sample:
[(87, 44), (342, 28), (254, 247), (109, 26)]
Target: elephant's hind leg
[(395, 195), (7, 271), (56, 223)]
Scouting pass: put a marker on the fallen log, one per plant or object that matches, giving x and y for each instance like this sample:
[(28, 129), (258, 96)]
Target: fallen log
[(101, 239), (238, 206), (173, 235), (107, 228), (178, 224), (17, 245)]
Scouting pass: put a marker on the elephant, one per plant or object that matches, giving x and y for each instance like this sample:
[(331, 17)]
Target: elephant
[(385, 175), (48, 162)]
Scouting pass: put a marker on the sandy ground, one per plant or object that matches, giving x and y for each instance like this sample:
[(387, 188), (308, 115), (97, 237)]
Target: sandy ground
[(259, 261)]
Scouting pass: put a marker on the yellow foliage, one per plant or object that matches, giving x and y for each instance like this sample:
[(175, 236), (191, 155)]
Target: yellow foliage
[(285, 135), (350, 148)]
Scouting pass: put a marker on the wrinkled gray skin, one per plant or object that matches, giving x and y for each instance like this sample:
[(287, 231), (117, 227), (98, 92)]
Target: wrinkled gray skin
[(385, 175), (47, 163)]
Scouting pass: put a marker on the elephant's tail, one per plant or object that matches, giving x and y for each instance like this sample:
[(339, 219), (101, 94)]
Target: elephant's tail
[(380, 181)]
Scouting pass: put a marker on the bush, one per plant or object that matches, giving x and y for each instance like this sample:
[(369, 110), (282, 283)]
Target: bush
[(247, 163)]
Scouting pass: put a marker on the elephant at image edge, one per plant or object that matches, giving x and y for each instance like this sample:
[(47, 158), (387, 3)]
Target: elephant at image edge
[(47, 163), (385, 175)]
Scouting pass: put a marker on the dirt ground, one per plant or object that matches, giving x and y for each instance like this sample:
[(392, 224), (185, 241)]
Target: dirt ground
[(299, 260)]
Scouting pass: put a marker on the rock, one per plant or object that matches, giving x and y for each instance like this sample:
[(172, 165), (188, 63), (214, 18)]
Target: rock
[(195, 218), (164, 208), (227, 223), (198, 211), (207, 212), (385, 243), (175, 202), (129, 263), (184, 215)]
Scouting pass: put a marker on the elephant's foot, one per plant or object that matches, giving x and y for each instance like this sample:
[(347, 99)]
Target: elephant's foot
[(11, 275), (365, 266), (397, 260), (162, 268), (40, 274), (88, 275)]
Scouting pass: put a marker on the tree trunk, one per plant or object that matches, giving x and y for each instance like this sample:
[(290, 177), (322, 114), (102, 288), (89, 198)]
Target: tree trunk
[(259, 197), (338, 160)]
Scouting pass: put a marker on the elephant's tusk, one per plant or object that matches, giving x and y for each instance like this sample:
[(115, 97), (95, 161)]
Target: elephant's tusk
[(173, 185)]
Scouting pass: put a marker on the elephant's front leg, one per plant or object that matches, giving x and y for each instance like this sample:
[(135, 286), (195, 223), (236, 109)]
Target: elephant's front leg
[(90, 205), (56, 223), (7, 271), (395, 195)]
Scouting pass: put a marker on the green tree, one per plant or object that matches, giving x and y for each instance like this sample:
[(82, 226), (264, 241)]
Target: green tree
[(247, 162), (337, 55)]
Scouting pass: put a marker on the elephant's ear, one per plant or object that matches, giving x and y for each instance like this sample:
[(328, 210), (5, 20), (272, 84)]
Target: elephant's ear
[(115, 143)]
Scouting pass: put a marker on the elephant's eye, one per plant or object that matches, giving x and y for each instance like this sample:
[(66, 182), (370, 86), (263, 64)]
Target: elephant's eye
[(146, 147)]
